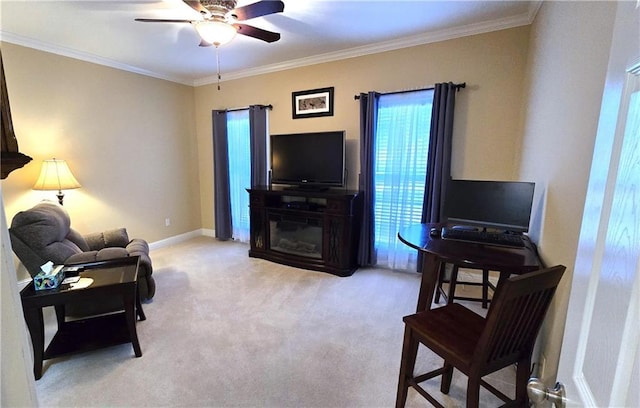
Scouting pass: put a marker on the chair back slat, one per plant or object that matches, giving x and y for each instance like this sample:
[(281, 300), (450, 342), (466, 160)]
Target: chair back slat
[(517, 311)]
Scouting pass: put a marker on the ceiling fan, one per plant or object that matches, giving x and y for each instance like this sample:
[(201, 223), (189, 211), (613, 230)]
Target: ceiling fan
[(219, 22)]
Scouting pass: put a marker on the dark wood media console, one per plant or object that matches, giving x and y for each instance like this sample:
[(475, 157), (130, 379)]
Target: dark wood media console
[(317, 230)]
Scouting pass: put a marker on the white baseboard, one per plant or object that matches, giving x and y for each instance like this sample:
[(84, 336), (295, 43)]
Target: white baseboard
[(182, 237), (156, 245)]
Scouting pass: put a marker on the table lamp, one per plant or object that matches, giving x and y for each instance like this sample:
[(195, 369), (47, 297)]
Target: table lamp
[(56, 175)]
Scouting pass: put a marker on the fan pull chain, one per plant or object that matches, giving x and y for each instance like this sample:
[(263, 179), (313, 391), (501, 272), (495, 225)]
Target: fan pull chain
[(218, 66)]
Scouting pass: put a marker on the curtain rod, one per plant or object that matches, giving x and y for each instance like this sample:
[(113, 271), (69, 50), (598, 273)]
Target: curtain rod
[(270, 107), (458, 87)]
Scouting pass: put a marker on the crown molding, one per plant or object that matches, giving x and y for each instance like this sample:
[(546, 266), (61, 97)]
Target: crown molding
[(85, 56), (534, 7), (421, 39)]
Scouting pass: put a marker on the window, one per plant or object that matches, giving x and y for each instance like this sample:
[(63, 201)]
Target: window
[(239, 171), (400, 165)]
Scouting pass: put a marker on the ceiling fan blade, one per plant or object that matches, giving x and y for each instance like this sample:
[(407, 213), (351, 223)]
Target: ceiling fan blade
[(195, 4), (261, 8), (154, 20), (259, 33)]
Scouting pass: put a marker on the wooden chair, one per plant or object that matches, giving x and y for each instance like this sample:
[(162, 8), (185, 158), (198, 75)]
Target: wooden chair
[(477, 346), (449, 275)]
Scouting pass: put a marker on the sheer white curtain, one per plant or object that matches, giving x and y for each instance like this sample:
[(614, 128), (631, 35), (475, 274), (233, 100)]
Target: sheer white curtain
[(400, 166), (239, 143)]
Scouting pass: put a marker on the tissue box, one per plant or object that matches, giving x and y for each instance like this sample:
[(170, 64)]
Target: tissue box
[(50, 280)]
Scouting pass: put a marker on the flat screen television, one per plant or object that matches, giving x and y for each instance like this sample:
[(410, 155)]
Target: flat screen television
[(504, 205), (308, 160)]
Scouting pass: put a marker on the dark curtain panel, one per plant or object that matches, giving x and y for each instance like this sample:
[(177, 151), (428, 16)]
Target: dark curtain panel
[(368, 120), (222, 202), (258, 130), (439, 160)]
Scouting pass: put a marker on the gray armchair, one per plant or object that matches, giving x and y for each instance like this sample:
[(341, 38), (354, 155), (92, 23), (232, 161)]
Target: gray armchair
[(43, 233)]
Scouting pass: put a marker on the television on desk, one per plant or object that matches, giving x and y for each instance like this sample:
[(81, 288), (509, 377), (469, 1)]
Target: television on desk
[(308, 160), (502, 205)]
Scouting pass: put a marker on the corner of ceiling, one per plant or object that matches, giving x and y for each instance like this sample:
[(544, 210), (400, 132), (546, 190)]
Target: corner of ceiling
[(87, 57), (534, 7)]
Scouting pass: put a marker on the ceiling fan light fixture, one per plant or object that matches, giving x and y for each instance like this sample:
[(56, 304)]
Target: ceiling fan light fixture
[(216, 32)]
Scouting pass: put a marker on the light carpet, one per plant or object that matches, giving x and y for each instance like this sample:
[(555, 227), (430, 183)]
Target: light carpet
[(226, 330)]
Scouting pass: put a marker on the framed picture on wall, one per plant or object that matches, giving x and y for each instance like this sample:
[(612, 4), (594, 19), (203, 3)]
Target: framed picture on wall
[(312, 103)]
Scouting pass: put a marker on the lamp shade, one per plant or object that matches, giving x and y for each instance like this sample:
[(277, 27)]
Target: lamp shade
[(215, 32), (55, 175)]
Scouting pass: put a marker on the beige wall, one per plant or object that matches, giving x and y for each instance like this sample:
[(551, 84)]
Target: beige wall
[(486, 134), (140, 156), (129, 140), (569, 49)]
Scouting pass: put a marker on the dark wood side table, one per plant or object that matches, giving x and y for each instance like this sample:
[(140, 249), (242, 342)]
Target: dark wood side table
[(435, 251), (116, 277)]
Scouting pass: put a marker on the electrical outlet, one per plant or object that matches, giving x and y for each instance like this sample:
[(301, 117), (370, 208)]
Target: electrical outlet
[(167, 222)]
